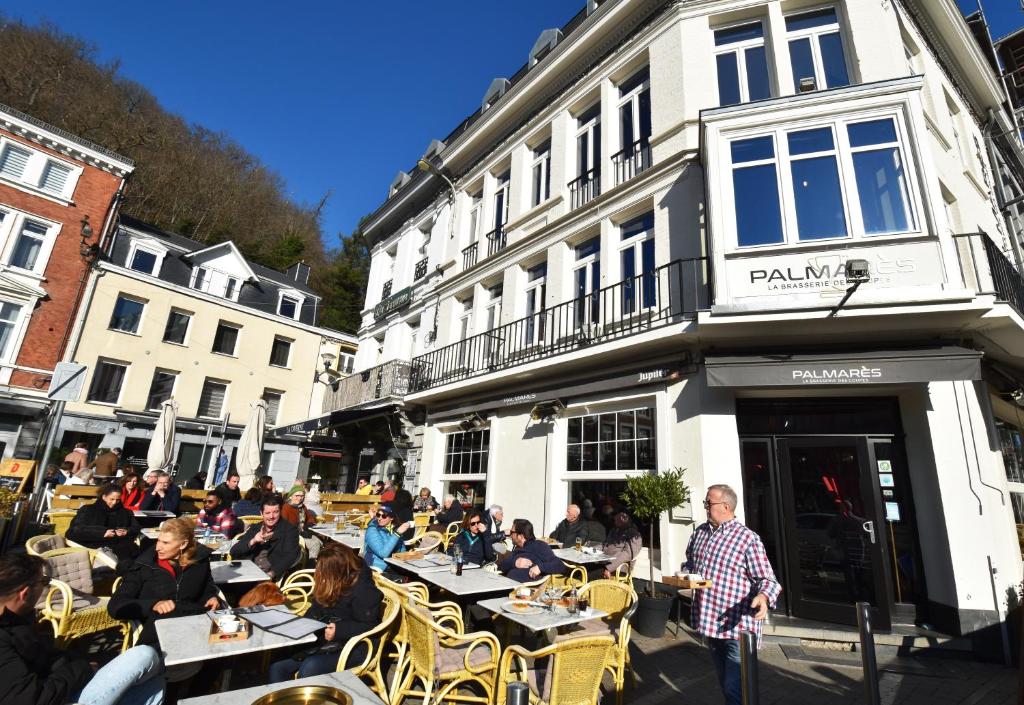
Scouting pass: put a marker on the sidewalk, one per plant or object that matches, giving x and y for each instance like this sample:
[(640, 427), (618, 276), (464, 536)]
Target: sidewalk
[(679, 671)]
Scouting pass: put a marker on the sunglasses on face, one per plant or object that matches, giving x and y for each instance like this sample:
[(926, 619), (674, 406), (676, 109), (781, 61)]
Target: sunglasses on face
[(475, 523), (382, 515)]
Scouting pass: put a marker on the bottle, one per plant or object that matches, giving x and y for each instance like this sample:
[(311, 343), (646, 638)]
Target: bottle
[(573, 601), (206, 534), (458, 562)]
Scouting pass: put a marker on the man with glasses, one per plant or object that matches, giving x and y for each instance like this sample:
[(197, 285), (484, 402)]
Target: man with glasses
[(216, 517), (743, 585), (33, 672), (382, 537)]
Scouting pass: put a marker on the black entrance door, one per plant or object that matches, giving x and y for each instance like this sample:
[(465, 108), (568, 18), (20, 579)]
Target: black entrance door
[(835, 545)]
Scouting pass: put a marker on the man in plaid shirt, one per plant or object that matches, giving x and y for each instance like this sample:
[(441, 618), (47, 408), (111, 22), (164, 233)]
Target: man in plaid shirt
[(743, 585), (217, 517)]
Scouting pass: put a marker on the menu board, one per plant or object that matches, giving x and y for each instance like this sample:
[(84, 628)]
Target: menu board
[(15, 474)]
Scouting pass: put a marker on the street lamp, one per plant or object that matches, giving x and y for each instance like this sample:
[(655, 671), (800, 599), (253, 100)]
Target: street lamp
[(87, 250), (332, 375)]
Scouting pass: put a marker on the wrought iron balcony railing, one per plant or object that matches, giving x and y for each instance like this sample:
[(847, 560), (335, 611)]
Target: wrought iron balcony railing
[(633, 160), (386, 291), (997, 277), (381, 382), (669, 294), (496, 241), (469, 255), (585, 189), (421, 270)]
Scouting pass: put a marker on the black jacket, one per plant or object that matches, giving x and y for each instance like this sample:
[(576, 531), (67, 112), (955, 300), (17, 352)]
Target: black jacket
[(567, 533), (93, 520), (357, 612), (538, 552), (480, 551), (145, 583), (227, 495), (282, 548), (32, 671), (453, 513), (169, 503)]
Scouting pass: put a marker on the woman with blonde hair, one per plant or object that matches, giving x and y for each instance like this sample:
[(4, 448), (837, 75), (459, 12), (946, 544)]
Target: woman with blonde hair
[(346, 598), (170, 578)]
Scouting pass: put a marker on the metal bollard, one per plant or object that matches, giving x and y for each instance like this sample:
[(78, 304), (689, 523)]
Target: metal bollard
[(867, 654), (517, 693), (748, 668)]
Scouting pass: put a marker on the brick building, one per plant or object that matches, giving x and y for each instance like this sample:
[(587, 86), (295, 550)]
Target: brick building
[(58, 196)]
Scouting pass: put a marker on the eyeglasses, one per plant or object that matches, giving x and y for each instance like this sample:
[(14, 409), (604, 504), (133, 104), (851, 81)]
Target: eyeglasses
[(474, 523), (709, 505), (382, 515)]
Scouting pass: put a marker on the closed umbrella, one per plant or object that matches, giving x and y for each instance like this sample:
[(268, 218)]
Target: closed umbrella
[(161, 447), (250, 446)]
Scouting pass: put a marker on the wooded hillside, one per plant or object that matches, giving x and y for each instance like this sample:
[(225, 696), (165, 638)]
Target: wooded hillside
[(187, 179)]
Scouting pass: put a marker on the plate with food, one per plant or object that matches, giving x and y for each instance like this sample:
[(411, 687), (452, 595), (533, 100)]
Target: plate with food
[(521, 607)]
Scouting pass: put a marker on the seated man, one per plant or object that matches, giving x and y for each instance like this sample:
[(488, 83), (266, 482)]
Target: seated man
[(492, 522), (573, 527), (164, 497), (272, 544), (296, 513), (452, 512), (530, 558), (216, 517), (35, 673), (228, 491), (623, 543), (364, 486)]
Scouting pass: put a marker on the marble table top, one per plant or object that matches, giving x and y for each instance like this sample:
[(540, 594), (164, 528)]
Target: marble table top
[(237, 572), (571, 555), (476, 581), (353, 541), (186, 640), (153, 514), (344, 680), (557, 617)]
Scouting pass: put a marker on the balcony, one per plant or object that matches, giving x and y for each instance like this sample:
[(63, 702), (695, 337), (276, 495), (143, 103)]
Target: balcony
[(1002, 279), (631, 161), (585, 189), (670, 294), (386, 291), (382, 382), (496, 240), (469, 256), (421, 270)]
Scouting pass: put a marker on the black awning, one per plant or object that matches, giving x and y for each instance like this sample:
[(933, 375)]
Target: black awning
[(341, 417), (911, 365)]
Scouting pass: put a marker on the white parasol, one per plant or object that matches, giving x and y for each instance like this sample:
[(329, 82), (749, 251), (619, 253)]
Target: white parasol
[(161, 446), (250, 446)]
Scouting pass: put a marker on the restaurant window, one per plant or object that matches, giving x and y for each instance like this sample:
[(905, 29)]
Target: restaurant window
[(466, 452), (1011, 445), (600, 500), (617, 441), (742, 64)]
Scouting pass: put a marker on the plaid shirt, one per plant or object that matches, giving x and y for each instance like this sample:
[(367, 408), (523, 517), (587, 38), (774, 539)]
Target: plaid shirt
[(223, 522), (733, 558)]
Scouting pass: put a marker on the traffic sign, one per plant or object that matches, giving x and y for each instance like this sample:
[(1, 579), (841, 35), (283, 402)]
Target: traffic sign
[(67, 381)]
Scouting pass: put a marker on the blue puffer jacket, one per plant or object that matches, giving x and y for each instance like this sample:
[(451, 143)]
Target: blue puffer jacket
[(379, 544)]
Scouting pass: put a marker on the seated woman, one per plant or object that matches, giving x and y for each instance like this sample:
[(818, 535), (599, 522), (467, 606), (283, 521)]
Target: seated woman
[(105, 524), (472, 540), (170, 578), (425, 502), (624, 543), (346, 598), (249, 505), (530, 558), (296, 513), (382, 538), (131, 493)]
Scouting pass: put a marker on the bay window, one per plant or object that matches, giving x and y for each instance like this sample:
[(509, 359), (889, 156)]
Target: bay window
[(845, 178), (816, 50), (742, 64)]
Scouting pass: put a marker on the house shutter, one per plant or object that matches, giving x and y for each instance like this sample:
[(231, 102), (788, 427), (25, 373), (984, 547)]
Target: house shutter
[(211, 401), (13, 162), (273, 400), (55, 177)]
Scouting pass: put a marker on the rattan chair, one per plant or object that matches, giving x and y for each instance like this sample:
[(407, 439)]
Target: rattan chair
[(426, 542), (70, 607), (569, 674), (444, 660), (624, 573), (376, 641), (450, 533), (250, 519), (61, 521), (297, 589), (575, 578)]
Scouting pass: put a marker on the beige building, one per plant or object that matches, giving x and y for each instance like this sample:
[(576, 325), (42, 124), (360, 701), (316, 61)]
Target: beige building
[(166, 317)]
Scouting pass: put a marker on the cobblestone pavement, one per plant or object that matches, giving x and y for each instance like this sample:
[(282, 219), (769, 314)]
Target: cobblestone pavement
[(671, 670)]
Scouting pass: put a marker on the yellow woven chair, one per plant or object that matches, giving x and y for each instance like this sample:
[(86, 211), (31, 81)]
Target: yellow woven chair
[(620, 602), (445, 660), (69, 606), (61, 521), (450, 533), (576, 578), (569, 676), (624, 573), (250, 520), (426, 542), (376, 641), (297, 589)]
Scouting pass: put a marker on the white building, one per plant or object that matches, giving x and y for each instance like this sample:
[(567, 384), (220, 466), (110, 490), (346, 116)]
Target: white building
[(767, 242)]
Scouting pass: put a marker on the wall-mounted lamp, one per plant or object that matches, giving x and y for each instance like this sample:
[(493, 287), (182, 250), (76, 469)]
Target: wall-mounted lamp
[(327, 375), (473, 422), (808, 84), (547, 410), (86, 249), (858, 271)]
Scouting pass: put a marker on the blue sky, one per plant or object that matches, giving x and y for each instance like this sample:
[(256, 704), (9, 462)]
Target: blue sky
[(332, 95)]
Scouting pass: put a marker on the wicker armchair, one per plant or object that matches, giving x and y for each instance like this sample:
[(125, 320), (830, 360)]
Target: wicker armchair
[(569, 675), (61, 521), (297, 589), (70, 606), (250, 520), (576, 578), (426, 542), (444, 660), (450, 533), (375, 641)]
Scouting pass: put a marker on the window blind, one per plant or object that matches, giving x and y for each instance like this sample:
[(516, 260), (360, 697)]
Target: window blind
[(13, 162), (273, 400), (211, 401), (55, 177)]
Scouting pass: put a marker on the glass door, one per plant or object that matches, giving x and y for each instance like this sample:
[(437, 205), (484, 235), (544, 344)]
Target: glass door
[(835, 538)]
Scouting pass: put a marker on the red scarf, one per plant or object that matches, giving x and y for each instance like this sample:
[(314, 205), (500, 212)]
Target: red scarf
[(168, 566)]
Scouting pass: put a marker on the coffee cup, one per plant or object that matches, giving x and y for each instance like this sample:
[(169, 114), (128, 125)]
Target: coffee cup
[(524, 592), (229, 625)]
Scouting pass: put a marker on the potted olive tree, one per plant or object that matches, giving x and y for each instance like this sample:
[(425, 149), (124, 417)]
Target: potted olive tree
[(648, 497)]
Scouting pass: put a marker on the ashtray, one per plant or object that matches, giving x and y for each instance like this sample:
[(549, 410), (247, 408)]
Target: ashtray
[(306, 695)]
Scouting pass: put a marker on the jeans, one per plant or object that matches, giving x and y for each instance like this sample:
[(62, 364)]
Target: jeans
[(725, 655), (133, 678), (313, 665)]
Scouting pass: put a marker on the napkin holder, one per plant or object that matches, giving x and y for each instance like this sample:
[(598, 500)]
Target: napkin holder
[(408, 555), (686, 583), (219, 637)]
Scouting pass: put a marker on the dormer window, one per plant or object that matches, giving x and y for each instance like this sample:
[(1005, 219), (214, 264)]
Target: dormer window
[(289, 304), (145, 257), (231, 289), (199, 279)]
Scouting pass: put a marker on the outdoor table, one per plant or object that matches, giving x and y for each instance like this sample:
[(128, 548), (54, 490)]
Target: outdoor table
[(152, 514), (343, 680), (230, 572), (353, 541), (571, 555), (545, 619)]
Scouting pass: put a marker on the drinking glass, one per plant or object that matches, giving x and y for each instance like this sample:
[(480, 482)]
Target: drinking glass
[(579, 544)]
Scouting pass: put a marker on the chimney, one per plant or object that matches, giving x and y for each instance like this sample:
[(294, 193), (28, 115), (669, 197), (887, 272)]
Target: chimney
[(299, 273)]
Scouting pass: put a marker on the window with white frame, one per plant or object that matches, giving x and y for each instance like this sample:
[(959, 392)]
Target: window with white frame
[(10, 313), (501, 200), (346, 363), (635, 109), (36, 169), (144, 259), (107, 380), (14, 161), (231, 288), (849, 177), (475, 211), (289, 306), (816, 50), (212, 399), (225, 340), (161, 388), (127, 314), (588, 143), (29, 245), (617, 441), (541, 172), (280, 351), (536, 293), (637, 264), (414, 338), (176, 330), (586, 277), (742, 64), (200, 278), (492, 318), (465, 329), (466, 452), (273, 398)]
